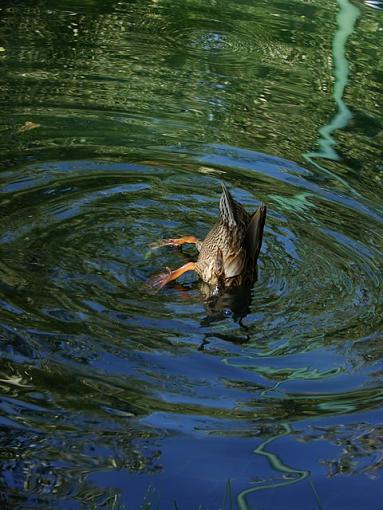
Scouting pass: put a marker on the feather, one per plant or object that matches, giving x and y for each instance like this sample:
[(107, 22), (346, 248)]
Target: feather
[(227, 208), (254, 233)]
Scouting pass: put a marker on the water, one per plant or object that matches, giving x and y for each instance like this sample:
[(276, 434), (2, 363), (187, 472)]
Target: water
[(119, 121)]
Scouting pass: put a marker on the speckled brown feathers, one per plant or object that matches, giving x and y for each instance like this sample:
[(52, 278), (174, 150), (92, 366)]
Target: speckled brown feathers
[(237, 239)]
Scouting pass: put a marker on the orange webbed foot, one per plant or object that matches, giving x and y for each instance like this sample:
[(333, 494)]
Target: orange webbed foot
[(177, 242), (160, 280), (172, 242), (180, 241)]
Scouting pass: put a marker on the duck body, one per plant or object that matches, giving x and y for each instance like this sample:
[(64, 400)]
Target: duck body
[(228, 255)]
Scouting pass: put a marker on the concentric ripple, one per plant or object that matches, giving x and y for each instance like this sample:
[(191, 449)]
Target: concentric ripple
[(76, 308), (86, 238), (229, 45)]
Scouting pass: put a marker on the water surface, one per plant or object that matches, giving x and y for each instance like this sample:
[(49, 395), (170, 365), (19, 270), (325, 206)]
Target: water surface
[(119, 121)]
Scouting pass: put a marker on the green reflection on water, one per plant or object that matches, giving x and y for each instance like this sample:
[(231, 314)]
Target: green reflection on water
[(278, 465), (346, 19)]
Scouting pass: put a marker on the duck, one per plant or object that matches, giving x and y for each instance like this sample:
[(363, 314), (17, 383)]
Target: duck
[(228, 255)]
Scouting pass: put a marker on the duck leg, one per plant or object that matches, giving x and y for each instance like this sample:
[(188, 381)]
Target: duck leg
[(182, 240), (159, 281)]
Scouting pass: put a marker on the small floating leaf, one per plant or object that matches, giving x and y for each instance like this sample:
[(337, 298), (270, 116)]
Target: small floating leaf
[(209, 170), (27, 126), (2, 49)]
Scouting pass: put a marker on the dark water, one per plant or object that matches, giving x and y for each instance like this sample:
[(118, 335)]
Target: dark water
[(115, 396)]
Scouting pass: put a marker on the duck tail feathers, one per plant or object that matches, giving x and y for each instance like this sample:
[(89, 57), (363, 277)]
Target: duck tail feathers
[(254, 234), (227, 207)]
